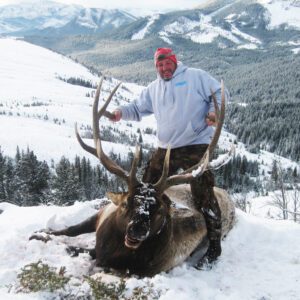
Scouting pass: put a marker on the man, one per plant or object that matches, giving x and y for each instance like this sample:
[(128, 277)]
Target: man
[(180, 99)]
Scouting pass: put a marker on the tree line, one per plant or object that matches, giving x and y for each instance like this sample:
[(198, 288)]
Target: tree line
[(239, 175), (27, 181), (269, 126)]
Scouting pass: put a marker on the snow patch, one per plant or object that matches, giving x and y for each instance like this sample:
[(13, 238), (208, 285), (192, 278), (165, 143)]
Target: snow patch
[(141, 34), (282, 12)]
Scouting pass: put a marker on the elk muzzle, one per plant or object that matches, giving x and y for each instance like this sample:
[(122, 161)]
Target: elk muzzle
[(137, 231)]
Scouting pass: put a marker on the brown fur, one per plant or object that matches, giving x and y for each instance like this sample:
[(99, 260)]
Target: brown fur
[(170, 243)]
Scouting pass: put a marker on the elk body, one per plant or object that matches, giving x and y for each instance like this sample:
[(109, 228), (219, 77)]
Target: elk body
[(152, 227)]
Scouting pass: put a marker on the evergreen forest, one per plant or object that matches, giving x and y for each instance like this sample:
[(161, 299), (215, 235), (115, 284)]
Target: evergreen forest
[(27, 181)]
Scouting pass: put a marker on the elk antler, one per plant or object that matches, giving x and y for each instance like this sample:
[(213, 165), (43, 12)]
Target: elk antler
[(109, 164), (204, 164)]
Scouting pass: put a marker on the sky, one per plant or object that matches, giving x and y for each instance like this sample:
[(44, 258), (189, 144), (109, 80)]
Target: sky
[(159, 5)]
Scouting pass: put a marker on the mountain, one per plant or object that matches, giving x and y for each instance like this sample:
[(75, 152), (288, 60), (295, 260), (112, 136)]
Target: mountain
[(51, 18), (249, 24)]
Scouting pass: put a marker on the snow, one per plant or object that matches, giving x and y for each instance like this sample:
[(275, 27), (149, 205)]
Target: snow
[(26, 81), (44, 14), (201, 31), (141, 34), (282, 12), (164, 37), (260, 258), (296, 50), (245, 36), (247, 46)]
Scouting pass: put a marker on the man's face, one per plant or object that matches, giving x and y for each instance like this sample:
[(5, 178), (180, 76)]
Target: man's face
[(166, 68)]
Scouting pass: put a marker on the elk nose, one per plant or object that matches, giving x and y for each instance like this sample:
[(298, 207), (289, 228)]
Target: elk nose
[(138, 230)]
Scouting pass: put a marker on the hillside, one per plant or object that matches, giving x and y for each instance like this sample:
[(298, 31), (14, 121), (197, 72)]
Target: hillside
[(39, 108)]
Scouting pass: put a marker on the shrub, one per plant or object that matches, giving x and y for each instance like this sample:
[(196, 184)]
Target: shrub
[(36, 277)]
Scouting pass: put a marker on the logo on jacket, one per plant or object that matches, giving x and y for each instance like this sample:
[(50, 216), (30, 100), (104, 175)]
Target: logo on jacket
[(181, 83)]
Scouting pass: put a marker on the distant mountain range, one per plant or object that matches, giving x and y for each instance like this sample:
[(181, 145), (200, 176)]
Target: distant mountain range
[(51, 18), (247, 24)]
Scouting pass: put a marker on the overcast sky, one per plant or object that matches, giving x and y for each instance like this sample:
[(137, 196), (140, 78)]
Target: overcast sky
[(159, 5)]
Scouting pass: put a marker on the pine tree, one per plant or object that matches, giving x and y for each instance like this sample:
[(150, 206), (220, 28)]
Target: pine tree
[(66, 184), (31, 179), (274, 172), (9, 177)]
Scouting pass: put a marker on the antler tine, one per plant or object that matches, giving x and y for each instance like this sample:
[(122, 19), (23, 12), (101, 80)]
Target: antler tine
[(103, 108), (220, 119), (203, 165), (160, 185), (109, 164), (96, 118), (83, 144), (132, 174)]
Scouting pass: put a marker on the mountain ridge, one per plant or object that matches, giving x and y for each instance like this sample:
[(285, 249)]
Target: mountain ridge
[(49, 17)]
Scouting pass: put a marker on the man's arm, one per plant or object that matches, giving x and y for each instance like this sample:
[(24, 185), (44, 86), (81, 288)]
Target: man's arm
[(135, 110)]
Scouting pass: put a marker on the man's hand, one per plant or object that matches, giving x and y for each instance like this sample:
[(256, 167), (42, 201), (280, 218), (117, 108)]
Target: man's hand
[(117, 115), (211, 119)]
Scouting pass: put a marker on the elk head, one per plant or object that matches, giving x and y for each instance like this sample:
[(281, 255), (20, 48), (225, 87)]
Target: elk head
[(144, 210)]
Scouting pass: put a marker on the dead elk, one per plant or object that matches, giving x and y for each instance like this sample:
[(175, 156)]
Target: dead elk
[(143, 230)]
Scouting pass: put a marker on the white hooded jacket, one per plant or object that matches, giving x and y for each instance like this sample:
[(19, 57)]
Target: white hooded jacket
[(180, 106)]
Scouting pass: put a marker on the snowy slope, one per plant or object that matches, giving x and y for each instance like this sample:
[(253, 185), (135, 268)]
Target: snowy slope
[(260, 259), (282, 12), (29, 76)]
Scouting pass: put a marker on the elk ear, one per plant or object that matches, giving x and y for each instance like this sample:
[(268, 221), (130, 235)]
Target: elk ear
[(117, 198)]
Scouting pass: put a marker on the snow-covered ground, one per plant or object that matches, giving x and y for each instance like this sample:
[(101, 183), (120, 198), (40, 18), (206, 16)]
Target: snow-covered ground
[(260, 259), (38, 110)]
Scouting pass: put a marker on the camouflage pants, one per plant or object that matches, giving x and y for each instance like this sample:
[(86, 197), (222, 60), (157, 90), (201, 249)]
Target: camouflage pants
[(202, 187)]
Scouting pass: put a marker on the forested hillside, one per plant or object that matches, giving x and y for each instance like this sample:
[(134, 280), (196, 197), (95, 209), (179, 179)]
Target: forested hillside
[(267, 81)]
